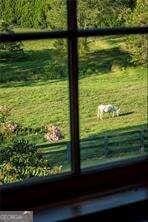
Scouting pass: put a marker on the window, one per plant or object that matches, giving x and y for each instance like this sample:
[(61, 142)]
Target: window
[(77, 182)]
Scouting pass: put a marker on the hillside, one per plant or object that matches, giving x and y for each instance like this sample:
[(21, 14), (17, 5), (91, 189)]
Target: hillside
[(36, 88), (35, 103)]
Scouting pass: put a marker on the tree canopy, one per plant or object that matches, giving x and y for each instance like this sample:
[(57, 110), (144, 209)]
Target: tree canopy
[(52, 15)]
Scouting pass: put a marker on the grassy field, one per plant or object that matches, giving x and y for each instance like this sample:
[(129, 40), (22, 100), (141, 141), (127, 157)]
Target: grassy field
[(37, 97)]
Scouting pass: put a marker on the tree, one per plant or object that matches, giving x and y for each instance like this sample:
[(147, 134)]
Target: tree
[(52, 15), (9, 49), (56, 18), (137, 44), (7, 10), (101, 14)]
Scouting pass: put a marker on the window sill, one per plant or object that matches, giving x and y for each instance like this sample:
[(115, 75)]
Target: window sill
[(75, 210)]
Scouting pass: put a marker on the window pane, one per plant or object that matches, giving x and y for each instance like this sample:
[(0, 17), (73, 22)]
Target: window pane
[(111, 13), (112, 76), (34, 107)]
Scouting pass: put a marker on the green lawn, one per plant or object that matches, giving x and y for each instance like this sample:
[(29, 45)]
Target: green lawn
[(37, 100), (126, 89)]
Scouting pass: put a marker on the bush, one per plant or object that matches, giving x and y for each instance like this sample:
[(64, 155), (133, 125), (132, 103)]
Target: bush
[(4, 113), (23, 160), (53, 133), (8, 129), (55, 70), (136, 45)]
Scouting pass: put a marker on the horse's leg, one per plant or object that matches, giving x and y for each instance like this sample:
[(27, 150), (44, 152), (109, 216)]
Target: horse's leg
[(101, 116)]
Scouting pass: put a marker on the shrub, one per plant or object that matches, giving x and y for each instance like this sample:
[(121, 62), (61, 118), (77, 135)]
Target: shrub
[(23, 160), (53, 133), (4, 113), (7, 128), (55, 70)]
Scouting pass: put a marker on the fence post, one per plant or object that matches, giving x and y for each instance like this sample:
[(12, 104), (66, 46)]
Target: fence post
[(141, 141), (68, 153), (106, 139)]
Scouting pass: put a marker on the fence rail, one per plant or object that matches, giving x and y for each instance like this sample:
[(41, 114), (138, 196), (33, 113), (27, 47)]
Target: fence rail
[(94, 138), (129, 141), (108, 145)]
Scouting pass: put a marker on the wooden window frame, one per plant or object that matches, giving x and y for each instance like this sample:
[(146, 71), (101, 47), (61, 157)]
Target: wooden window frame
[(40, 191)]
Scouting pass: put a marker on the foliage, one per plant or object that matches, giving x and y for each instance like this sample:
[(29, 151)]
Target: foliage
[(9, 49), (137, 45), (7, 128), (21, 161), (4, 113), (53, 133), (7, 10), (52, 15), (55, 70), (107, 13), (100, 14)]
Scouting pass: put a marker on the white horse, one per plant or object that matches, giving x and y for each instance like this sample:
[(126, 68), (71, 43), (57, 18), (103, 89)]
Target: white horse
[(107, 109)]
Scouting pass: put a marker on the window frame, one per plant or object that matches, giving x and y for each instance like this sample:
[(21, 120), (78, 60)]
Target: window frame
[(38, 191)]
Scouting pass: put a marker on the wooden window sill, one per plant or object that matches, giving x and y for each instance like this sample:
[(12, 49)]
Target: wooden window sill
[(91, 205)]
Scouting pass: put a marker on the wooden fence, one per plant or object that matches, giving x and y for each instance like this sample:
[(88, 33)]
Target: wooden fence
[(108, 145)]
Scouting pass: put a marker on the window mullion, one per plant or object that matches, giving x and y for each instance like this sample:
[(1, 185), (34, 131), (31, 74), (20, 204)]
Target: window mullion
[(73, 85)]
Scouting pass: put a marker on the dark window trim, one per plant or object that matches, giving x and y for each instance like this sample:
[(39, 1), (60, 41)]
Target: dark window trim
[(78, 33), (49, 190), (73, 86)]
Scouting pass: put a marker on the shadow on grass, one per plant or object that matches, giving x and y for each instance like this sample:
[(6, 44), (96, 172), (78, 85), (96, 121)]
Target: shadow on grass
[(32, 67), (110, 115), (103, 61), (45, 65), (35, 67), (125, 114), (119, 130)]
